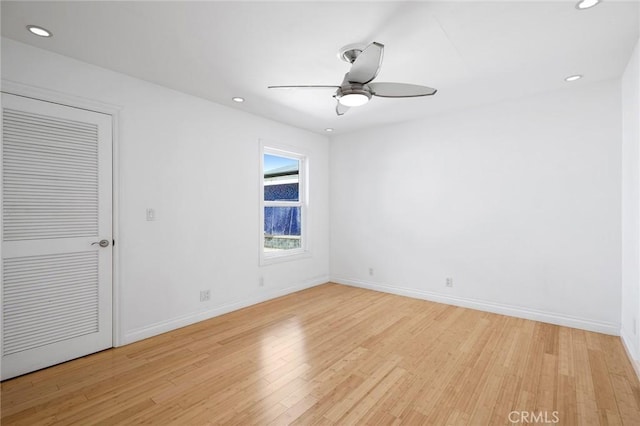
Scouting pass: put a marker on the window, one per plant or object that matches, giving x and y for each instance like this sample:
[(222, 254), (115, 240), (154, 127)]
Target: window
[(283, 207)]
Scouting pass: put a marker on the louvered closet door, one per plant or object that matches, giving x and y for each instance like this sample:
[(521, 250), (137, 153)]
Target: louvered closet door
[(56, 203)]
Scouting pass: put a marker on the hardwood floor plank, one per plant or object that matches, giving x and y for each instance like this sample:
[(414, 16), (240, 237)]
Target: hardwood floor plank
[(340, 409), (334, 354), (384, 406), (567, 400), (627, 405), (367, 402), (109, 404), (316, 413), (294, 411)]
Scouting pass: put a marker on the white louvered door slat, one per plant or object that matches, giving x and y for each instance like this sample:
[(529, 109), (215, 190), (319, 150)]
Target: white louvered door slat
[(47, 172), (56, 202)]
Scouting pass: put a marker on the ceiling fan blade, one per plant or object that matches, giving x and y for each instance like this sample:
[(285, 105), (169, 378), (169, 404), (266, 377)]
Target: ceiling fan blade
[(366, 66), (400, 90), (341, 109), (309, 86)]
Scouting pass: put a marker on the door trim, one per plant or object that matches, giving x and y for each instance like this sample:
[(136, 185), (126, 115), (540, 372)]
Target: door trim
[(42, 94)]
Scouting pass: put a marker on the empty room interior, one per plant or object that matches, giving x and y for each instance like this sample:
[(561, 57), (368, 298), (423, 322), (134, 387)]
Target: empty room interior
[(317, 212)]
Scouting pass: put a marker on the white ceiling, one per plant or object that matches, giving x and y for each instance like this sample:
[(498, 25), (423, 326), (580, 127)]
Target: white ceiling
[(473, 52)]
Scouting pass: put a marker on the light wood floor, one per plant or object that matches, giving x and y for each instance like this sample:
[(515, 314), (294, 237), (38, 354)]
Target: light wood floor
[(340, 355)]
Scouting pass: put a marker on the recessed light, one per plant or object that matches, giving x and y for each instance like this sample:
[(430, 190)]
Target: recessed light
[(586, 4), (328, 130), (39, 31), (237, 99), (573, 78)]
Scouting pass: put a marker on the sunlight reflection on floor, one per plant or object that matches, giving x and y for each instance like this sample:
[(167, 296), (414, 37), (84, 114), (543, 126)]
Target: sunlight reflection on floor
[(283, 356)]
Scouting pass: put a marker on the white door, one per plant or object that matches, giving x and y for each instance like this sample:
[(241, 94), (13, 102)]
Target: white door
[(56, 209)]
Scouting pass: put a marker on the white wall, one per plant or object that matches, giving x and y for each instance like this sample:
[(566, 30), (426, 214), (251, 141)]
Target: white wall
[(197, 164), (518, 202), (631, 206)]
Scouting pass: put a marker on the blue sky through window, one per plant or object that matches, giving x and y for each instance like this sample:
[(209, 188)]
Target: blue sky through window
[(274, 162)]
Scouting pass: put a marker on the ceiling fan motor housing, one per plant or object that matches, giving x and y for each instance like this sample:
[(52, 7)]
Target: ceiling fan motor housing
[(350, 52)]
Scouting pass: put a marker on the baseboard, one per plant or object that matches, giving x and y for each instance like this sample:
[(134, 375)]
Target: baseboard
[(182, 321), (631, 352), (481, 305)]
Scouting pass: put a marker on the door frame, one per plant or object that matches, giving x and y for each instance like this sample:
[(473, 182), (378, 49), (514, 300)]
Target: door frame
[(46, 95)]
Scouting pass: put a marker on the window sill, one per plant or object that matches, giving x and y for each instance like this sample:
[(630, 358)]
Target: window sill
[(273, 258)]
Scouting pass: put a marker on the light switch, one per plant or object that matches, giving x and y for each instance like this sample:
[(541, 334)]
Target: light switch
[(151, 214)]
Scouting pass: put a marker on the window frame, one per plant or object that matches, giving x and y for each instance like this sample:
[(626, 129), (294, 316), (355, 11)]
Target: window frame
[(269, 148)]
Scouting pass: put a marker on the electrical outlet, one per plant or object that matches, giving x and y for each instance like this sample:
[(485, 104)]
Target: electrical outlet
[(449, 282), (261, 282), (205, 295), (151, 214), (371, 271)]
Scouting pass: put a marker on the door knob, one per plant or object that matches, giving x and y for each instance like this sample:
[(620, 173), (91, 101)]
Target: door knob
[(101, 243)]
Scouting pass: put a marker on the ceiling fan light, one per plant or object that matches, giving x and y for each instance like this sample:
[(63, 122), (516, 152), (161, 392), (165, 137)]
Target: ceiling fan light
[(353, 99)]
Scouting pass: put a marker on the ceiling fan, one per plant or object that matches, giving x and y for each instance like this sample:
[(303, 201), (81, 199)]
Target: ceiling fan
[(357, 87)]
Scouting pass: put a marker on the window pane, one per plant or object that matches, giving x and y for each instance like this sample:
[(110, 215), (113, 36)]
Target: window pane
[(282, 228), (281, 178)]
